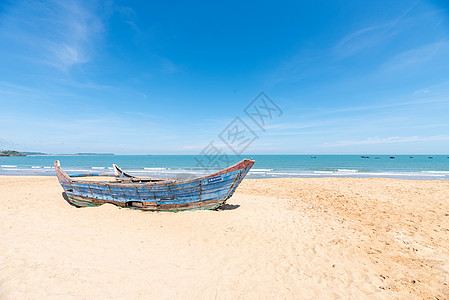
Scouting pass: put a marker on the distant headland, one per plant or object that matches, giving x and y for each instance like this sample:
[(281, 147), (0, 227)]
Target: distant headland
[(22, 153), (11, 153)]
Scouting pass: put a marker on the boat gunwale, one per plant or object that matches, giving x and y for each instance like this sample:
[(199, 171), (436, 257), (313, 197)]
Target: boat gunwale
[(241, 165)]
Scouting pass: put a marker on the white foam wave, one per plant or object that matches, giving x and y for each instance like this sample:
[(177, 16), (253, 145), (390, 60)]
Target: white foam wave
[(165, 171), (262, 170), (358, 174), (437, 172), (8, 166), (293, 173)]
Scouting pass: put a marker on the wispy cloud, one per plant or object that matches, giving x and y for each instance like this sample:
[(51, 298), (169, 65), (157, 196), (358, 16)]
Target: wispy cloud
[(169, 67), (295, 125), (364, 36), (418, 55), (60, 33), (369, 36), (10, 88), (79, 29), (86, 84), (429, 89), (128, 16), (380, 107), (387, 140), (367, 30)]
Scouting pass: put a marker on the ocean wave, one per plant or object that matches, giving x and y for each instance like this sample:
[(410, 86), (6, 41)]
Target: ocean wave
[(353, 174), (400, 174), (293, 173), (170, 170), (261, 170), (337, 170), (324, 172), (281, 171), (17, 169), (437, 172)]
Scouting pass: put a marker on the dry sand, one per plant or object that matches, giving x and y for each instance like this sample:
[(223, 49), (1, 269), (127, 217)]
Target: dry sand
[(277, 238)]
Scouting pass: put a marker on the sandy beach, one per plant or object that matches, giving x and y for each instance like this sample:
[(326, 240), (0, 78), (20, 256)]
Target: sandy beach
[(276, 238)]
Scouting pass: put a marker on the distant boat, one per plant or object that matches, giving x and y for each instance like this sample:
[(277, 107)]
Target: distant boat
[(392, 157), (207, 192), (313, 157), (364, 156), (430, 157), (411, 157)]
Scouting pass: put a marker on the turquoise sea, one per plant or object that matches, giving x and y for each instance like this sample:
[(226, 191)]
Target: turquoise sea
[(267, 166)]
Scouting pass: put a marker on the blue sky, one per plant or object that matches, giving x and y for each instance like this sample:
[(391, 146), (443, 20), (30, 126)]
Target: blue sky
[(137, 77)]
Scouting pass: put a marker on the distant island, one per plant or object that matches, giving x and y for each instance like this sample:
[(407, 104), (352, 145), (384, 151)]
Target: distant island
[(34, 153), (11, 153), (94, 154)]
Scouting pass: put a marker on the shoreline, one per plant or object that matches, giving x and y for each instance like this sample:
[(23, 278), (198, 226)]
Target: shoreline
[(252, 177), (288, 238)]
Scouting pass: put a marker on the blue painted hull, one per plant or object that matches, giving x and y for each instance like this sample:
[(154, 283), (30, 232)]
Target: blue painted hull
[(208, 192)]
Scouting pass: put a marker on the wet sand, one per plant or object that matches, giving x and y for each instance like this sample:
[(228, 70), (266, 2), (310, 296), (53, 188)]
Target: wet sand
[(276, 238)]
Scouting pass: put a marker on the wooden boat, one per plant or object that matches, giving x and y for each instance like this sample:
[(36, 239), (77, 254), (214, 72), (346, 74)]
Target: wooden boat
[(207, 192)]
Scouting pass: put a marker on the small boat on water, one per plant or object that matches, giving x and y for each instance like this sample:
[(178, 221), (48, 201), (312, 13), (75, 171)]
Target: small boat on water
[(155, 194)]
